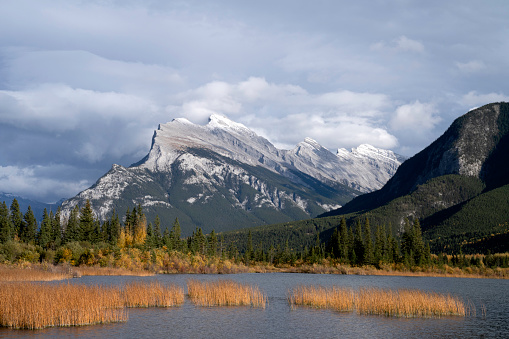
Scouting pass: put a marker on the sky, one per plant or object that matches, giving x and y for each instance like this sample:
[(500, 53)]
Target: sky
[(84, 84)]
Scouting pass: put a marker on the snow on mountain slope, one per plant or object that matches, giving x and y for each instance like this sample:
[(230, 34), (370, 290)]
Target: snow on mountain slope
[(200, 173), (365, 168)]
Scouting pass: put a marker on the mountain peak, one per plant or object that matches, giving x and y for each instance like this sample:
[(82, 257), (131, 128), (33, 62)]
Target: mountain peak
[(217, 121)]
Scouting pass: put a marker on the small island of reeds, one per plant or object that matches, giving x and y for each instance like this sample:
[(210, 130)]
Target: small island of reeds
[(225, 293), (376, 301)]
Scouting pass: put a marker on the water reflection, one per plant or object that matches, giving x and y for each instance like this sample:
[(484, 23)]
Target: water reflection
[(279, 320)]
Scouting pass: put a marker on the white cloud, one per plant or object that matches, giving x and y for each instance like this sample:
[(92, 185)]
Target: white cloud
[(418, 117), (33, 182), (474, 99), (471, 66), (400, 44)]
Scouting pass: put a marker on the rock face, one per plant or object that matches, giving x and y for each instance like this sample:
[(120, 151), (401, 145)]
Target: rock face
[(475, 145), (224, 176)]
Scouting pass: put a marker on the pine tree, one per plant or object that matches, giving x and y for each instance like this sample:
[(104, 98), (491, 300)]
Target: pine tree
[(57, 229), (379, 245), (166, 240), (368, 244), (343, 240), (175, 242), (212, 248), (157, 232), (29, 230), (149, 240), (72, 230), (45, 232), (87, 224), (359, 244), (6, 227), (16, 219), (249, 250)]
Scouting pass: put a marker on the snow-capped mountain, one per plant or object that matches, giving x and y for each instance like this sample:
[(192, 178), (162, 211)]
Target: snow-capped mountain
[(224, 176)]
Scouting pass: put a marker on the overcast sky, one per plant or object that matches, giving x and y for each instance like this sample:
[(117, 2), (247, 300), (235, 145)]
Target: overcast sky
[(83, 84)]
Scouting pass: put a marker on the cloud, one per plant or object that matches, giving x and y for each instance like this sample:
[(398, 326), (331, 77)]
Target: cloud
[(416, 117), (474, 99), (471, 66), (400, 44), (33, 182), (260, 104)]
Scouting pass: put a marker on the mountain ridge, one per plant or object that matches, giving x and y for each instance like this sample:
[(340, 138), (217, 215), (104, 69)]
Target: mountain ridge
[(225, 164)]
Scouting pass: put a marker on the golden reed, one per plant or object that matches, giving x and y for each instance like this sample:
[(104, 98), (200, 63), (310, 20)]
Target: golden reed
[(32, 273), (93, 270), (152, 294), (35, 305), (225, 293), (367, 300)]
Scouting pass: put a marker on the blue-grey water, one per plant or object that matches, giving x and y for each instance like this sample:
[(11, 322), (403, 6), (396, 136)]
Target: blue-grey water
[(279, 320)]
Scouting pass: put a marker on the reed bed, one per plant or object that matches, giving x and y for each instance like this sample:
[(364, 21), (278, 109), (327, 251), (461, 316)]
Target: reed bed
[(153, 294), (35, 305), (225, 293), (408, 303), (397, 303), (30, 274), (336, 298), (92, 270)]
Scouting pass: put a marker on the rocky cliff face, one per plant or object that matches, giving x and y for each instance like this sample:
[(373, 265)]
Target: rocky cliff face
[(224, 173), (468, 147)]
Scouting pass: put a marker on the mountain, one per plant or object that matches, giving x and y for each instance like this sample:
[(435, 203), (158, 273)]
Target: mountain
[(37, 206), (223, 176), (458, 186)]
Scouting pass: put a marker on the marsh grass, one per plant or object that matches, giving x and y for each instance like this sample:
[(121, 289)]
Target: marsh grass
[(408, 303), (336, 298), (35, 305), (152, 294), (94, 270), (27, 305), (225, 293), (397, 303), (31, 273)]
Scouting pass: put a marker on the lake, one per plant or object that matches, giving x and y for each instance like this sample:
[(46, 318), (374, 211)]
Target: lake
[(279, 320)]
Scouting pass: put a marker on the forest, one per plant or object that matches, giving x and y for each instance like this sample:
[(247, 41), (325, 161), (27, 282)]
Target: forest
[(133, 243)]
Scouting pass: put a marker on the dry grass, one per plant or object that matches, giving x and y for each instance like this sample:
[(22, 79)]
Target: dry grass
[(398, 303), (35, 305), (153, 294), (31, 273), (336, 298), (408, 303), (225, 293), (93, 270)]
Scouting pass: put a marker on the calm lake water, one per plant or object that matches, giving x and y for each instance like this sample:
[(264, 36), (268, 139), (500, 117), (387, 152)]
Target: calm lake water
[(279, 320)]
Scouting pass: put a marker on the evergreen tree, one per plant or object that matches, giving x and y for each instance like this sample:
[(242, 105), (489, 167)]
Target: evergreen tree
[(56, 229), (6, 227), (87, 224), (175, 242), (16, 218), (140, 226), (72, 230), (359, 245), (249, 250), (344, 242), (212, 248), (149, 240), (368, 244), (166, 240), (379, 245), (157, 232), (29, 229), (46, 231)]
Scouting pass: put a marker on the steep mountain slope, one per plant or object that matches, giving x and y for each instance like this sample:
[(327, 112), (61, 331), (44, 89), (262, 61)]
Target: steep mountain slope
[(474, 145), (457, 186), (223, 176)]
